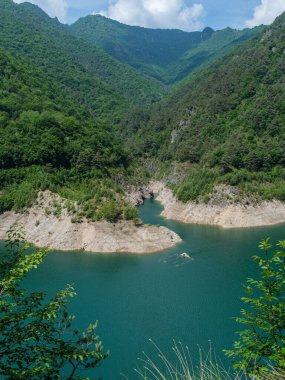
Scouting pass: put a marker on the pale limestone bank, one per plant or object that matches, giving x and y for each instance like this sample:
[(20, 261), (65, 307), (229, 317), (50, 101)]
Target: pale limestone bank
[(223, 209), (44, 229)]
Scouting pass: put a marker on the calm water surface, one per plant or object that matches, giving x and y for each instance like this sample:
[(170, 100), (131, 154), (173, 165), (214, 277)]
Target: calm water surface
[(140, 297)]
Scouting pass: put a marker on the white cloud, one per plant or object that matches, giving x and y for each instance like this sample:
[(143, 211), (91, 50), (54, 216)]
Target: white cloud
[(156, 13), (54, 8), (266, 12)]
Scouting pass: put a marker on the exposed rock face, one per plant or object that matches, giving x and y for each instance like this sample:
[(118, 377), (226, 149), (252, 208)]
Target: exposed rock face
[(137, 195), (174, 135), (44, 229), (221, 210)]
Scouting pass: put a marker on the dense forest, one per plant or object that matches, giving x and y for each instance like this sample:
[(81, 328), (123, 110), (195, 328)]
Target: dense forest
[(227, 122), (84, 71), (77, 121), (88, 117), (167, 55), (48, 142)]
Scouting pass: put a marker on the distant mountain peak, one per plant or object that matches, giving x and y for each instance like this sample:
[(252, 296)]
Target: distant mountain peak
[(207, 32)]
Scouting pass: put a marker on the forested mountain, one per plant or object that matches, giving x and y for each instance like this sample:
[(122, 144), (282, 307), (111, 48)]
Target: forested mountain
[(84, 71), (63, 102), (221, 43), (41, 125), (168, 55), (48, 142), (228, 120)]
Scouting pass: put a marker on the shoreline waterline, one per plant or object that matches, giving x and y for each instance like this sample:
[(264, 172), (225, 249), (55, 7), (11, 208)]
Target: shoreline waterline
[(60, 233), (54, 230), (160, 296), (225, 215), (98, 237)]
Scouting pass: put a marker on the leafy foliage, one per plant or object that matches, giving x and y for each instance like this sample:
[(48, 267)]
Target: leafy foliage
[(36, 336), (262, 343), (200, 182)]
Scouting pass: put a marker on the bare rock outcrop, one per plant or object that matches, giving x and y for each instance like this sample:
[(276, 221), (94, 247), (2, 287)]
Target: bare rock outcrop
[(48, 224), (225, 209)]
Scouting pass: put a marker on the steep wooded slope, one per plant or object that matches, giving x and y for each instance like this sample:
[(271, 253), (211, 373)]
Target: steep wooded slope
[(230, 117), (47, 142), (86, 72), (40, 125), (168, 55)]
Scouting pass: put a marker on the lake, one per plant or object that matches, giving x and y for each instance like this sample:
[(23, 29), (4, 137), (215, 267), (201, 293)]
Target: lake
[(159, 296)]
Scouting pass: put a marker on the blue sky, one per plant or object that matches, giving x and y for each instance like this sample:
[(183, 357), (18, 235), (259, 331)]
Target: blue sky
[(218, 13), (183, 14)]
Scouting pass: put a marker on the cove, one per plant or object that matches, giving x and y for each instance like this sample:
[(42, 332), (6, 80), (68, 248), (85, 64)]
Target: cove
[(158, 296)]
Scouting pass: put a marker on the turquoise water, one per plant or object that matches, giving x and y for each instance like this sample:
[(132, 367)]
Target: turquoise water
[(140, 297)]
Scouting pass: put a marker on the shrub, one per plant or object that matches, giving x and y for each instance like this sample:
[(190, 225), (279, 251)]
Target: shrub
[(109, 211), (131, 213)]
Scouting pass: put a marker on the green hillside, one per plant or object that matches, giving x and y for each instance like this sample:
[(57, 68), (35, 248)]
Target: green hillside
[(62, 112), (48, 142), (221, 43), (87, 73), (228, 122), (168, 55)]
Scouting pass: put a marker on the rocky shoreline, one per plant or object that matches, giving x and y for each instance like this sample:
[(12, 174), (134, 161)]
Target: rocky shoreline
[(58, 232), (224, 210)]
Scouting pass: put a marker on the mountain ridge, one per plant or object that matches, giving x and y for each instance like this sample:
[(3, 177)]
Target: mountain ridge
[(155, 52), (222, 124), (66, 58), (227, 122)]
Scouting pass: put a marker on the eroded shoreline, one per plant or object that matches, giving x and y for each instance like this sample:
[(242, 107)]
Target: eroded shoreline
[(60, 233), (223, 213)]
